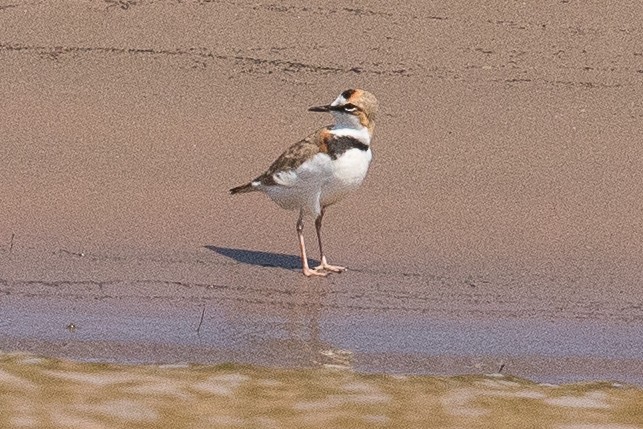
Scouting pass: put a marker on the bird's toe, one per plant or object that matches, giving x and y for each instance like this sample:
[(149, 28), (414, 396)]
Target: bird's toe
[(331, 268), (314, 272)]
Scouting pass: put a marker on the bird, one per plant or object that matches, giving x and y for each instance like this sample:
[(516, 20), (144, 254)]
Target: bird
[(323, 168)]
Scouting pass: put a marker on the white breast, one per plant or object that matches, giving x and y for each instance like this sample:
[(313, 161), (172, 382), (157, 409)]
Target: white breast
[(301, 188), (349, 171)]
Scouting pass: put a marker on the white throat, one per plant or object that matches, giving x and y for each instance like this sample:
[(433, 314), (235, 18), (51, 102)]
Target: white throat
[(349, 125), (361, 134)]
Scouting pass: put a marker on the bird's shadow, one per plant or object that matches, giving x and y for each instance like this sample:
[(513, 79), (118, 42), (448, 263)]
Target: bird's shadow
[(263, 259)]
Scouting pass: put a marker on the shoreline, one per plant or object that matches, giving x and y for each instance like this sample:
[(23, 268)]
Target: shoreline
[(401, 325)]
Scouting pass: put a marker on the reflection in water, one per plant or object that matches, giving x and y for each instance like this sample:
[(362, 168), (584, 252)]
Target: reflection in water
[(303, 323), (287, 329)]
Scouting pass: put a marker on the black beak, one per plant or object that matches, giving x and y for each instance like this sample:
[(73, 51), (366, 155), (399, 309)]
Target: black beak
[(326, 108)]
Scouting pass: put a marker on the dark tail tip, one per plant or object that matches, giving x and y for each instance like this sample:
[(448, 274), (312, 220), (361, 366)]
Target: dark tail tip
[(241, 189)]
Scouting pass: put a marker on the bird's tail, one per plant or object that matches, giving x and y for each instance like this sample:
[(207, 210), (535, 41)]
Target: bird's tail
[(242, 189)]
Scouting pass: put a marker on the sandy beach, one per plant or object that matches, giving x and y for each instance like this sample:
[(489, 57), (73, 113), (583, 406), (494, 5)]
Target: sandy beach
[(500, 226)]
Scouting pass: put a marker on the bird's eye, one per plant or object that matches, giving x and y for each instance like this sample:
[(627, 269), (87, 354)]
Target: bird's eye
[(350, 108)]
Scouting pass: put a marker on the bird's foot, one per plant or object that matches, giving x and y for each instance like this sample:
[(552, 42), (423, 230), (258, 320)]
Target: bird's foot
[(314, 272), (324, 266)]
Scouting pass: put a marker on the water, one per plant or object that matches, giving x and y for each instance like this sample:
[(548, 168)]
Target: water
[(301, 360), (115, 330), (37, 393)]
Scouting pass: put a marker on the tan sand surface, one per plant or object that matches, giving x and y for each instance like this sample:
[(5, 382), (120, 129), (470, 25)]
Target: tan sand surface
[(506, 184)]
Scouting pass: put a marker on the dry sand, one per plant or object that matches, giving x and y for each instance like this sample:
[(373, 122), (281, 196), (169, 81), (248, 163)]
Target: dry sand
[(505, 191)]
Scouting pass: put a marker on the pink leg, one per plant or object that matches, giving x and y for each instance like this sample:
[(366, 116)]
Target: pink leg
[(302, 248), (324, 264)]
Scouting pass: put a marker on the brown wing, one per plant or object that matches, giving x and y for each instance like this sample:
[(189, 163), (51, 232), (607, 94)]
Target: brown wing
[(296, 155)]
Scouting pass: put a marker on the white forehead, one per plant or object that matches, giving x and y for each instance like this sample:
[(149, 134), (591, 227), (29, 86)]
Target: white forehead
[(339, 101)]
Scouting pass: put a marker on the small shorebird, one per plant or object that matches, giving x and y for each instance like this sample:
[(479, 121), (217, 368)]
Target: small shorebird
[(323, 168)]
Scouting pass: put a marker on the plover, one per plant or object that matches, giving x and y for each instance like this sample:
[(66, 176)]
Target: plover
[(323, 168)]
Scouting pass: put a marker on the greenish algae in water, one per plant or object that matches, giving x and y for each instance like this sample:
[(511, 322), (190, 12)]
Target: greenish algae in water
[(37, 393)]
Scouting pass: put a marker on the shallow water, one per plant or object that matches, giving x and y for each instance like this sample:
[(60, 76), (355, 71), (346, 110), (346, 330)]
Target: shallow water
[(37, 392), (112, 328)]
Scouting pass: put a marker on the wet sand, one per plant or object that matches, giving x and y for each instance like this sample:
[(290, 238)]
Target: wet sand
[(501, 222)]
